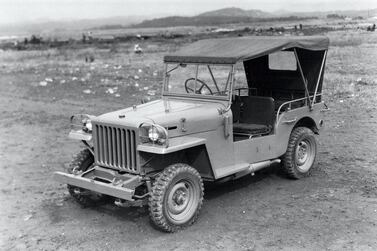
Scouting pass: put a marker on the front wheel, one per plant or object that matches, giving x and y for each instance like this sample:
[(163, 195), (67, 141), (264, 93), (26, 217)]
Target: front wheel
[(300, 156), (176, 197), (82, 162)]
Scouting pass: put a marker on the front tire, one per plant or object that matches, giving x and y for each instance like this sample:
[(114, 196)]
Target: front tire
[(176, 198), (82, 162), (301, 153)]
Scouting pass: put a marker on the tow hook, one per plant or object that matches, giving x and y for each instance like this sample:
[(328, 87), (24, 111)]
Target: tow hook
[(79, 191), (121, 203), (76, 171), (125, 203)]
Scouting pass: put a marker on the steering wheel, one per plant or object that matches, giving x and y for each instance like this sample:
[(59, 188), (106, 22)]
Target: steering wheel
[(199, 91)]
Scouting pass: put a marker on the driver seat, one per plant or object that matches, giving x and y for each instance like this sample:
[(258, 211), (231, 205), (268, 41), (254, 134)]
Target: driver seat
[(257, 116)]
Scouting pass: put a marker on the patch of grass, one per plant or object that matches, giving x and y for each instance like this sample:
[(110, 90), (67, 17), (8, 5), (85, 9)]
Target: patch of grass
[(352, 38), (350, 66)]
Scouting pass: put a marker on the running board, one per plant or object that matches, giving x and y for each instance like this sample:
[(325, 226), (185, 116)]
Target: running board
[(243, 169)]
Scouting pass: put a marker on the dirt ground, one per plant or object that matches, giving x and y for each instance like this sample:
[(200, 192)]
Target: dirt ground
[(334, 209)]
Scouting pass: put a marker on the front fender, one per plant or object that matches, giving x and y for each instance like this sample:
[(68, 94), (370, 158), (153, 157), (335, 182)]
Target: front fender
[(175, 144), (186, 149), (78, 121), (79, 135)]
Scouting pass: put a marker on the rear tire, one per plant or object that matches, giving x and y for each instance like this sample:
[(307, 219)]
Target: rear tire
[(301, 153), (176, 198), (82, 162)]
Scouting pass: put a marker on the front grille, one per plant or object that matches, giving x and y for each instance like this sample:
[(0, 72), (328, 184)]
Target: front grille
[(115, 147)]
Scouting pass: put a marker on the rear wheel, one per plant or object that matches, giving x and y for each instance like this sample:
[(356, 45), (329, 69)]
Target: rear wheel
[(176, 197), (81, 163), (301, 153)]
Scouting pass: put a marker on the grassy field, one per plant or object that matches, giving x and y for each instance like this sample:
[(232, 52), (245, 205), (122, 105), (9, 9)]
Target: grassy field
[(334, 209)]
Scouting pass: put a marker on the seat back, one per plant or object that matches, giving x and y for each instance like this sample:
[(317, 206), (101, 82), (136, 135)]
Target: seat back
[(236, 108), (258, 110)]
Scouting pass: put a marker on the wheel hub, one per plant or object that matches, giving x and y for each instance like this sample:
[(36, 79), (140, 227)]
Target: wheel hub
[(179, 198), (305, 154), (302, 152)]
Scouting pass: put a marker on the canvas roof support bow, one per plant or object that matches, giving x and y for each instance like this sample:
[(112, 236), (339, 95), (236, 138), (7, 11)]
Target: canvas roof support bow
[(319, 76), (304, 80), (213, 78)]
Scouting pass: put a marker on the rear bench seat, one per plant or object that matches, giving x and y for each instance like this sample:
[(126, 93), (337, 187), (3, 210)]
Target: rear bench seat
[(253, 115)]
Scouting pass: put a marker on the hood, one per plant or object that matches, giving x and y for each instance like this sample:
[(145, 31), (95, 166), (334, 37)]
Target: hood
[(179, 116)]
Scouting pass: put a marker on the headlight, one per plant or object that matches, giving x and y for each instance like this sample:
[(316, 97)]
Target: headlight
[(87, 125), (153, 133), (82, 122), (157, 134)]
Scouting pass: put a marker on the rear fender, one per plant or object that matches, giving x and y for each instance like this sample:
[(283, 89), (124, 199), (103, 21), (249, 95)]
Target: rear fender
[(309, 123)]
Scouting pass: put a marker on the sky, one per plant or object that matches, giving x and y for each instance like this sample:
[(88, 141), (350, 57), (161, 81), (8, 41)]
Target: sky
[(16, 11)]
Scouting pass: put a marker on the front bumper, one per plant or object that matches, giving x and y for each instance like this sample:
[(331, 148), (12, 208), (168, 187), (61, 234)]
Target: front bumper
[(103, 181)]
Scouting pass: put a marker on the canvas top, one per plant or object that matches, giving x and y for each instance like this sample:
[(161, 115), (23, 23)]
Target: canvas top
[(233, 50)]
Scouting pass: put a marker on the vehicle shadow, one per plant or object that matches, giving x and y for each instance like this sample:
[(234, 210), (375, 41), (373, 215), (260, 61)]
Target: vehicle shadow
[(129, 213)]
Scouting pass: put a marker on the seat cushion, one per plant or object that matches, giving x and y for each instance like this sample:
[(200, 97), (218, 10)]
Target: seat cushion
[(251, 129), (258, 110)]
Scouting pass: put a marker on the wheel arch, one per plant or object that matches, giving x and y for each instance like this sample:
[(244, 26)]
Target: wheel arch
[(307, 122), (195, 156)]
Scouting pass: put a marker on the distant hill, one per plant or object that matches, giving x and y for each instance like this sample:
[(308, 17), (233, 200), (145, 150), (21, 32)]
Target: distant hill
[(216, 17), (209, 20), (238, 15), (348, 13), (233, 12)]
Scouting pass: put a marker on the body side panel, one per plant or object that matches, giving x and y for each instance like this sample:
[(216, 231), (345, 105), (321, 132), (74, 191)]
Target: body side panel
[(288, 120), (220, 149), (273, 146)]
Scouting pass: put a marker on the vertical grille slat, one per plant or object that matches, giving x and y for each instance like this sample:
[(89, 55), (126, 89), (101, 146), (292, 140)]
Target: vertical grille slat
[(102, 146), (133, 154), (109, 146), (105, 159), (123, 144), (96, 144), (113, 145), (119, 155), (128, 149), (100, 143), (116, 147)]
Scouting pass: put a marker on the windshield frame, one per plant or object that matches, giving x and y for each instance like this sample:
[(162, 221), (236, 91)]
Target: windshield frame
[(231, 77)]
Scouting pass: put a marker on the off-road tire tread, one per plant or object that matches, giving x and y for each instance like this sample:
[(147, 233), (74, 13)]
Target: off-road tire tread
[(156, 199), (79, 162), (288, 159)]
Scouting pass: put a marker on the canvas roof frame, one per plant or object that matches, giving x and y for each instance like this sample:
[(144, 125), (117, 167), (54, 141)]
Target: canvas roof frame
[(225, 51)]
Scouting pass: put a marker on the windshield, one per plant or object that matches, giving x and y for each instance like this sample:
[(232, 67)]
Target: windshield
[(206, 80)]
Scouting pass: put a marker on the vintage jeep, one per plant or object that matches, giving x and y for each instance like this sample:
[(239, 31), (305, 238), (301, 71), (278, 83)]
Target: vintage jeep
[(211, 124)]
